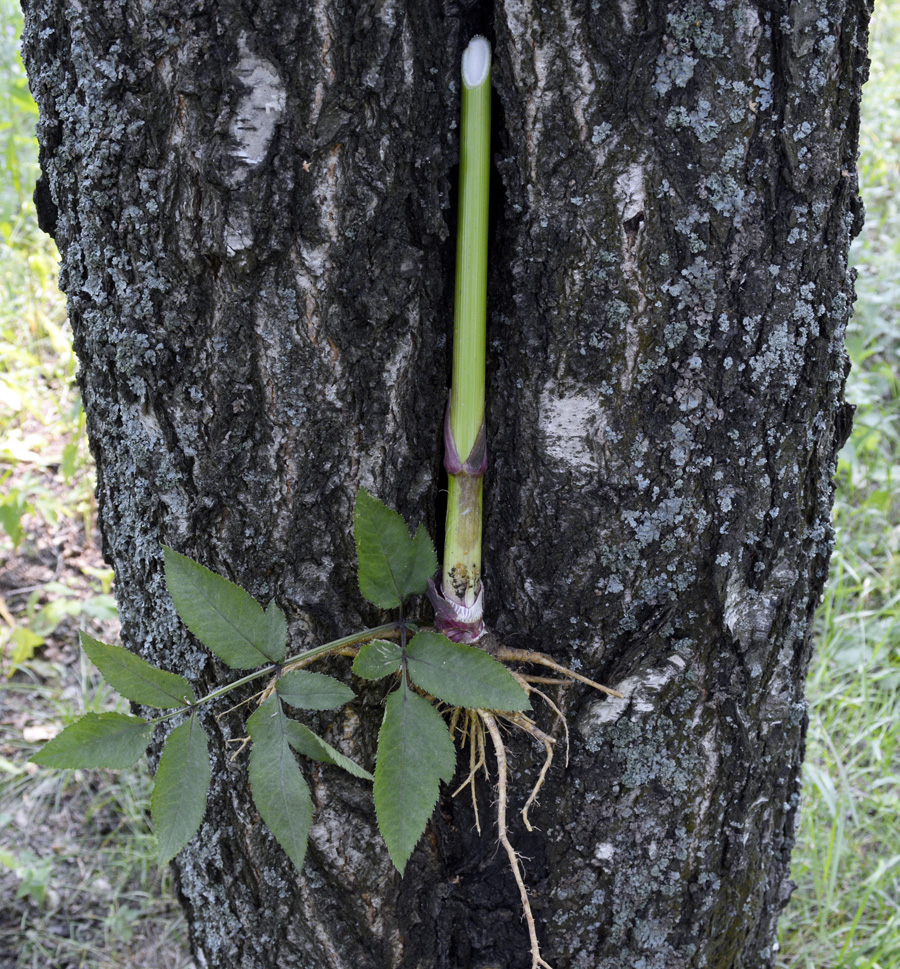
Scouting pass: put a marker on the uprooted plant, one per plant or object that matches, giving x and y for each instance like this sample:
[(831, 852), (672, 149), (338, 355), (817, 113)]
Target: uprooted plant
[(445, 686), (415, 751)]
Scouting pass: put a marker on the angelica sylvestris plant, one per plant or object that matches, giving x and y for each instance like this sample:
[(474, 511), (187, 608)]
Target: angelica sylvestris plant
[(415, 750), (441, 685)]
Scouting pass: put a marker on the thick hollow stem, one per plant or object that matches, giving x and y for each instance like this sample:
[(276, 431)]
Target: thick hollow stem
[(466, 455), (467, 390)]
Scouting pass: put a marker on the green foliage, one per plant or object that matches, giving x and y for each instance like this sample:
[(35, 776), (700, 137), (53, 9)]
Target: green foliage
[(279, 791), (305, 742), (18, 116), (36, 622), (415, 753), (97, 740), (13, 506), (415, 750), (34, 874), (377, 659), (392, 566), (179, 792), (135, 678), (461, 675), (313, 691), (225, 618)]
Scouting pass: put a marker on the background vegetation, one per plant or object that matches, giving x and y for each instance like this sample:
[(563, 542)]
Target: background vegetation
[(75, 849)]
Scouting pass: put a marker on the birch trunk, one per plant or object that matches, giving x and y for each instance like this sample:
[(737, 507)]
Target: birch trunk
[(254, 206)]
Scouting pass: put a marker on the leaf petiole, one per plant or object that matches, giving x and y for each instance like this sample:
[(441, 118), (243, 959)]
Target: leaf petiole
[(388, 629)]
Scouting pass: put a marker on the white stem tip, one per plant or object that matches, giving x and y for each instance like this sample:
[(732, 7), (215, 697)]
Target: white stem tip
[(476, 61)]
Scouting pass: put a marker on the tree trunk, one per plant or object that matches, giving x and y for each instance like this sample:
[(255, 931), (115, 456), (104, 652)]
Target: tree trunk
[(254, 206)]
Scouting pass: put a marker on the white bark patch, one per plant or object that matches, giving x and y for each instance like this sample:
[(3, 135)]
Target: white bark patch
[(568, 424), (516, 19), (326, 194), (581, 97), (628, 8), (604, 851), (396, 366), (711, 755), (748, 32), (370, 463), (323, 29), (639, 697), (259, 110), (313, 263), (150, 424), (643, 698), (407, 43), (631, 192), (609, 710), (631, 196), (749, 615), (524, 34), (238, 231)]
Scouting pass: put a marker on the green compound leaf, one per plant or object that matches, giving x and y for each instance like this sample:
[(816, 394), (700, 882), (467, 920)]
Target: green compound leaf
[(377, 659), (311, 745), (225, 618), (312, 691), (424, 564), (392, 565), (179, 792), (135, 678), (415, 753), (279, 790), (97, 740), (276, 632), (462, 675)]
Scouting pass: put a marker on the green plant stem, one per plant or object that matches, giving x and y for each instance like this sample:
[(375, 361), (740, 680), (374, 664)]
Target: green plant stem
[(388, 629), (461, 578), (365, 636), (470, 311)]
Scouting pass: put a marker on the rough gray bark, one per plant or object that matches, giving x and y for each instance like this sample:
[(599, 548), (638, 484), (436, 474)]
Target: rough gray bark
[(253, 204)]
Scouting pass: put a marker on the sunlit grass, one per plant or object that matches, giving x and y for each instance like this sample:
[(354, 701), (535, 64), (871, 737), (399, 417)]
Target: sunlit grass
[(845, 913)]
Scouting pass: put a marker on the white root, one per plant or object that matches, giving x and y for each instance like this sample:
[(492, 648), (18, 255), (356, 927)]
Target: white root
[(537, 962), (540, 659), (558, 713), (523, 723), (477, 759)]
